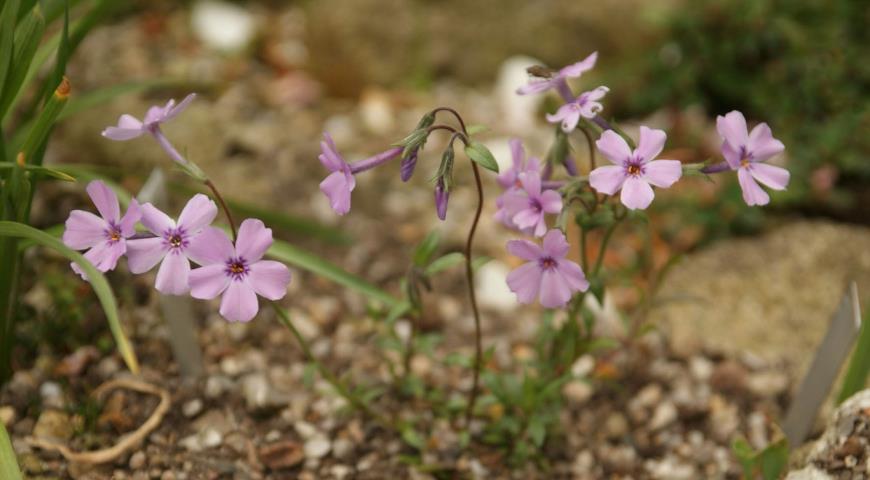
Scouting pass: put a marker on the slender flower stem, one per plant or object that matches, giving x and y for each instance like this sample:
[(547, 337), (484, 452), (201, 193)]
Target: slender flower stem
[(591, 144), (584, 258), (553, 184), (223, 205), (570, 166), (565, 91), (607, 234), (375, 160), (716, 168), (167, 146), (455, 114), (604, 124), (339, 387), (469, 276)]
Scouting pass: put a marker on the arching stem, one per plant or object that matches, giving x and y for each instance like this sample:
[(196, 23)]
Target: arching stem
[(223, 205), (469, 275)]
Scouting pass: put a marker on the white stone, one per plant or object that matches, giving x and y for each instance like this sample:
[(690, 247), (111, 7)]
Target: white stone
[(317, 447), (223, 26), (492, 289), (665, 414), (519, 112)]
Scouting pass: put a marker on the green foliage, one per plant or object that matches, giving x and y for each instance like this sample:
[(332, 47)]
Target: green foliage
[(8, 462), (770, 462), (481, 155), (858, 370), (799, 66)]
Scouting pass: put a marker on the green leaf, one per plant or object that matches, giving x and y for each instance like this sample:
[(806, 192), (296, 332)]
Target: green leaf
[(413, 438), (537, 430), (97, 280), (445, 262), (37, 169), (481, 155), (859, 364), (27, 37), (773, 460), (8, 17), (8, 462), (424, 251), (38, 134), (288, 253)]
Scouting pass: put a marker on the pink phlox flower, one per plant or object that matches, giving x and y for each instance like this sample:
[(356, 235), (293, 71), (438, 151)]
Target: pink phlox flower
[(338, 185), (130, 127), (104, 237), (634, 171), (746, 151), (171, 247), (527, 207), (585, 105), (237, 272), (547, 275), (538, 85)]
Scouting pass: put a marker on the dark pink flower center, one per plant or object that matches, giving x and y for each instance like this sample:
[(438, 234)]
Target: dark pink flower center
[(547, 263), (535, 204), (176, 238), (237, 268), (634, 168), (113, 233)]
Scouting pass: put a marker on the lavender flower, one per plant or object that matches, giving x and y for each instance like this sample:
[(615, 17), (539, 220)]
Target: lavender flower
[(585, 105), (527, 207), (558, 80), (130, 127), (103, 238), (634, 171), (510, 178), (237, 272), (406, 168), (548, 275), (745, 151), (442, 195), (172, 245), (338, 185)]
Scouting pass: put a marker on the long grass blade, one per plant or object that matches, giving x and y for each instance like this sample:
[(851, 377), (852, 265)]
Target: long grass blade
[(27, 37), (97, 280), (858, 370), (8, 17), (8, 463)]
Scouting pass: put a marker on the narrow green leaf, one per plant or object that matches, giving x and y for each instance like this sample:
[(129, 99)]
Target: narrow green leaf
[(445, 262), (475, 129), (37, 169), (38, 135), (773, 460), (8, 17), (8, 462), (425, 249), (481, 155), (27, 37), (86, 173), (97, 280), (288, 253), (858, 370)]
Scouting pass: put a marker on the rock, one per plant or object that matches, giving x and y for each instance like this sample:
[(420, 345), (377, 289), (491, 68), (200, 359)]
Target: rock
[(670, 468), (191, 408), (108, 367), (762, 297), (578, 392), (259, 394), (520, 112), (724, 419), (615, 426), (665, 414), (137, 460), (317, 446), (285, 454), (205, 439), (54, 425), (216, 385), (767, 384), (809, 473), (52, 395), (492, 290), (75, 363), (340, 472), (342, 448), (701, 368), (376, 111), (222, 25), (7, 415)]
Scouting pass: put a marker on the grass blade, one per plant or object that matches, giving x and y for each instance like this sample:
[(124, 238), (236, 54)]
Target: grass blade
[(8, 462), (39, 170), (288, 253), (27, 37), (8, 17), (97, 280), (38, 134), (859, 365)]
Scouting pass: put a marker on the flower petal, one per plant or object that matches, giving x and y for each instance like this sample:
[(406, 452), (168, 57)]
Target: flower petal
[(525, 281), (128, 128), (607, 179), (732, 155), (156, 221), (560, 114), (524, 249), (573, 275), (105, 200), (613, 147), (104, 256), (753, 194), (269, 279), (83, 230), (129, 220), (577, 69), (636, 194), (650, 144), (732, 128), (535, 85), (172, 278), (211, 246), (663, 173), (554, 289), (555, 244), (173, 112), (762, 144), (329, 156), (551, 201), (770, 175), (239, 302), (144, 253), (208, 282), (337, 187), (253, 240), (531, 182), (198, 213), (569, 123)]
